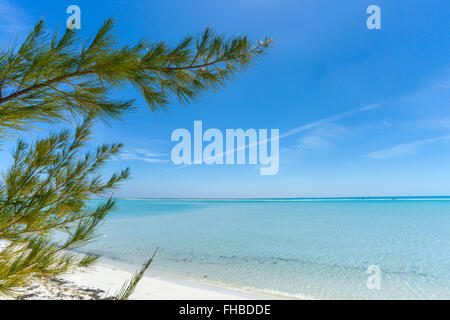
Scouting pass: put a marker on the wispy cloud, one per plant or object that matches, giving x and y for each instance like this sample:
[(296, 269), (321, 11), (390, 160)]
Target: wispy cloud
[(404, 148), (336, 117), (321, 138), (432, 97), (441, 123), (141, 154), (386, 122), (296, 130)]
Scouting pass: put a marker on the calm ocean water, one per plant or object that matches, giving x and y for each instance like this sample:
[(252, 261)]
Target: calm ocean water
[(318, 248)]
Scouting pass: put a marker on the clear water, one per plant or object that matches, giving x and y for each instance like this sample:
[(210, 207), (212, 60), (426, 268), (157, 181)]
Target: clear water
[(306, 248)]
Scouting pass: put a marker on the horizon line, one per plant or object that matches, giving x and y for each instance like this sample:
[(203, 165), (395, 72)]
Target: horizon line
[(271, 198)]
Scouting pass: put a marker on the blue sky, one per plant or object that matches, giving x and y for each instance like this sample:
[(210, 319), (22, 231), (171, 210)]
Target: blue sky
[(325, 63)]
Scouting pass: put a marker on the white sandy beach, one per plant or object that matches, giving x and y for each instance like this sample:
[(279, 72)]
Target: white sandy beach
[(105, 279)]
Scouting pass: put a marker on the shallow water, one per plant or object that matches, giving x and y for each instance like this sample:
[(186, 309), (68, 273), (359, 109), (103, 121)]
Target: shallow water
[(317, 248)]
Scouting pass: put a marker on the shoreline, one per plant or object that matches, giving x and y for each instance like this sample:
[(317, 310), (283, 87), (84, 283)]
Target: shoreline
[(254, 293), (105, 279)]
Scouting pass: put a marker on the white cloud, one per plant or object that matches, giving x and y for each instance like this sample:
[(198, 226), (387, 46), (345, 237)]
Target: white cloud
[(321, 138), (432, 97), (299, 129), (386, 122), (321, 122), (441, 123), (141, 154), (403, 149)]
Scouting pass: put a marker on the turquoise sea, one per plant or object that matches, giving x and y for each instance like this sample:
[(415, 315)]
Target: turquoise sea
[(305, 248)]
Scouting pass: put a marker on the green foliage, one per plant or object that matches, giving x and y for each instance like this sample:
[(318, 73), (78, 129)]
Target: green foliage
[(129, 286), (45, 191), (52, 78)]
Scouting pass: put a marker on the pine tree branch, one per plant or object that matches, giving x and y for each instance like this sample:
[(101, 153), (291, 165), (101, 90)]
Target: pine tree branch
[(130, 286), (215, 62), (154, 69), (44, 84)]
